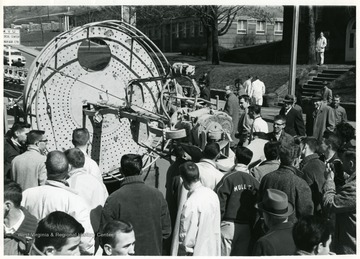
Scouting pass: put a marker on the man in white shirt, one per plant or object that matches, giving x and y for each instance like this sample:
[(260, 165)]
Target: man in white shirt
[(259, 125), (55, 195), (210, 176), (199, 233), (320, 48), (247, 85), (257, 91), (80, 139)]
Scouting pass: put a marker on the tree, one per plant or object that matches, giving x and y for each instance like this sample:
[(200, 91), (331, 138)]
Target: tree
[(39, 11), (311, 35), (9, 15), (211, 16)]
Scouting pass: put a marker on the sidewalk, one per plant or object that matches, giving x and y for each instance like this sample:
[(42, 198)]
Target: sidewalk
[(28, 50)]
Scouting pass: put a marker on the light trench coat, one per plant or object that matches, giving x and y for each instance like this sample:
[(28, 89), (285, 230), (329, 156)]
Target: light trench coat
[(197, 229)]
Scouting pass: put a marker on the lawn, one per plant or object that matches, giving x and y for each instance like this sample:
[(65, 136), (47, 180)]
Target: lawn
[(273, 76)]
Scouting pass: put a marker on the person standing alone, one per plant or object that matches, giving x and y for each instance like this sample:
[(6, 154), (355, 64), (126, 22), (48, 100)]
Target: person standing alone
[(320, 49)]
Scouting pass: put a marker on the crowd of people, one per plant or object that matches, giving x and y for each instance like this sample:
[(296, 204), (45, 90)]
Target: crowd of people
[(285, 194)]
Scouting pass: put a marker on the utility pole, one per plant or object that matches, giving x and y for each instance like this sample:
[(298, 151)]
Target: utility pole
[(294, 47)]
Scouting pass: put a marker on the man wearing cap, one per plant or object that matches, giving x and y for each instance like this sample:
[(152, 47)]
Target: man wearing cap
[(276, 209), (232, 107), (324, 117), (56, 195), (28, 169), (294, 121)]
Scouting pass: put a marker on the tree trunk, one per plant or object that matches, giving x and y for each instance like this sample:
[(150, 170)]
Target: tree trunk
[(215, 40), (209, 43), (312, 39)]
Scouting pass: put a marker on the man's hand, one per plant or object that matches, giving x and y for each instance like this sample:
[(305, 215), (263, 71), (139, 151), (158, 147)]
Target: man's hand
[(329, 171)]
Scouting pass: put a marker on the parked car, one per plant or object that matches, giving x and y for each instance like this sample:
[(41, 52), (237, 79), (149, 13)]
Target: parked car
[(17, 59)]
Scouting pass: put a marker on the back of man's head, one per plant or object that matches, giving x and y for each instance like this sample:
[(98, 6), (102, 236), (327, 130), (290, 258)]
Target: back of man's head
[(245, 97), (75, 157), (57, 165), (310, 231), (312, 143), (108, 235), (131, 164), (34, 136), (243, 155), (271, 150), (178, 151), (345, 131), (255, 108), (13, 193), (55, 229), (80, 137), (288, 154), (189, 172), (211, 150), (332, 140)]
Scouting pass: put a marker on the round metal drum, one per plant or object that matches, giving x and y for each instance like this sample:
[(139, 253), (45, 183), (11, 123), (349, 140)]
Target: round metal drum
[(93, 64)]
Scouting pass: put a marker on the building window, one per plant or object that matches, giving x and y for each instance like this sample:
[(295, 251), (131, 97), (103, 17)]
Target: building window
[(192, 29), (184, 30), (175, 28), (242, 27), (260, 27), (201, 29), (278, 28), (188, 29)]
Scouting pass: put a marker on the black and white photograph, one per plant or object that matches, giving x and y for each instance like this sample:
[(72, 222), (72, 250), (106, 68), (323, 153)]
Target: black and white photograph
[(147, 129)]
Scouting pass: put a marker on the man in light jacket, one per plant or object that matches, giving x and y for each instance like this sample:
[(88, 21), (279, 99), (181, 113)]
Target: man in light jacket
[(320, 48), (199, 233)]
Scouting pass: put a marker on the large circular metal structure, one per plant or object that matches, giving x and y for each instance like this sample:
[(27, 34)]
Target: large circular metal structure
[(94, 64)]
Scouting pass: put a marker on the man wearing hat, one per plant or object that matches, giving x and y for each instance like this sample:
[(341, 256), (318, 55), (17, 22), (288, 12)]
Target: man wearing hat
[(55, 195), (324, 117), (276, 209), (294, 121)]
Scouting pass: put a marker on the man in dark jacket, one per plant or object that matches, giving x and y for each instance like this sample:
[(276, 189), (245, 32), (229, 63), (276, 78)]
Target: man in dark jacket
[(19, 224), (204, 91), (342, 202), (14, 144), (324, 117), (294, 121), (141, 205), (237, 192), (278, 240), (279, 133), (287, 180), (313, 170), (232, 107)]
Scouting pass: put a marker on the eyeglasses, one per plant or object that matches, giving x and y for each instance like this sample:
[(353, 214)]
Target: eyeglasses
[(43, 140), (278, 124)]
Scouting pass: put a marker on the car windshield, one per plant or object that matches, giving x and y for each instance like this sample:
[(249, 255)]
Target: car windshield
[(16, 53)]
